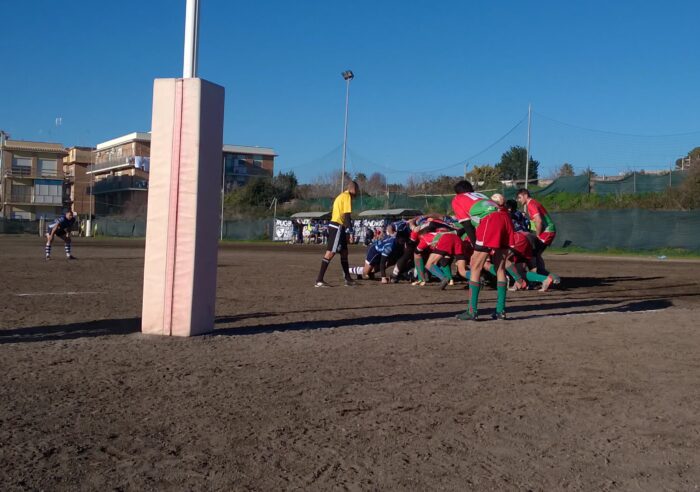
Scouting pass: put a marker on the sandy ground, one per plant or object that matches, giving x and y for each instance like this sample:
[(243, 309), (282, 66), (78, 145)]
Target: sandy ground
[(594, 386)]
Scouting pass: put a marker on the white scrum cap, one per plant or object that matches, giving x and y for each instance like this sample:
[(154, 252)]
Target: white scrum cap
[(498, 198)]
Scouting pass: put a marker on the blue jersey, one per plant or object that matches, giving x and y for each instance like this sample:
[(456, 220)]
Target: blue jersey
[(401, 226), (381, 247), (64, 224), (520, 221)]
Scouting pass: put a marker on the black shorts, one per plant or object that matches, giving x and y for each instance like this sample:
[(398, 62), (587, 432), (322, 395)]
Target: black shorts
[(59, 232), (337, 238)]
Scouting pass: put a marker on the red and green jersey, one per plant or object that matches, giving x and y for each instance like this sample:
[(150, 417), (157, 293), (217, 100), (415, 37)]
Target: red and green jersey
[(535, 208), (472, 206)]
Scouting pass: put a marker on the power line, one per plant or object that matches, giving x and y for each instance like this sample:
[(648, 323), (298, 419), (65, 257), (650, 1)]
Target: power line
[(571, 125)]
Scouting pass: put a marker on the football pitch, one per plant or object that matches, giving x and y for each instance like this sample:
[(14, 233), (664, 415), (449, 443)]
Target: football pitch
[(594, 385)]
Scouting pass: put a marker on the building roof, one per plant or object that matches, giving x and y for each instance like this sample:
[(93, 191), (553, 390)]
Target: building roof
[(391, 212), (247, 149), (29, 146), (311, 215), (130, 137)]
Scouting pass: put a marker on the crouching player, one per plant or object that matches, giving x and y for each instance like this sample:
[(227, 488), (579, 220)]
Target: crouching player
[(380, 255), (490, 230), (60, 227), (442, 247), (523, 259)]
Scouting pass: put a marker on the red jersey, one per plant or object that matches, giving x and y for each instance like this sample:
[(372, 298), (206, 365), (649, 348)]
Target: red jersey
[(473, 207)]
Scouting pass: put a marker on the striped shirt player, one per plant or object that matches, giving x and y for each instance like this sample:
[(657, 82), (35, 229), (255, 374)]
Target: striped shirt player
[(341, 219), (381, 253), (490, 231), (60, 227)]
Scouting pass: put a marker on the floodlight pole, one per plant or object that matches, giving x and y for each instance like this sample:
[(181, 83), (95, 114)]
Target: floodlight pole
[(3, 138), (189, 66), (348, 76), (527, 150)]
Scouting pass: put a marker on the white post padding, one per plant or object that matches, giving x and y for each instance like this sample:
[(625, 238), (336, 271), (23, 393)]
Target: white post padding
[(179, 287)]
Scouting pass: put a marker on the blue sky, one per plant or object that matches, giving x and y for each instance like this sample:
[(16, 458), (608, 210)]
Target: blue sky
[(436, 82)]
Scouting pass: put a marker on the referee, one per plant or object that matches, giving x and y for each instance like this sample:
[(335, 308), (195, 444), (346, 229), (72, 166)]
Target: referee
[(337, 238)]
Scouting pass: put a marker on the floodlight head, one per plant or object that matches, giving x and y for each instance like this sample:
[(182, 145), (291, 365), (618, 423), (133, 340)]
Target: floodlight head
[(348, 75)]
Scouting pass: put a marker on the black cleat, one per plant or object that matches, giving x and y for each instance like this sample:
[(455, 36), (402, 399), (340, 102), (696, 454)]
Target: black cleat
[(499, 316), (71, 257), (444, 283)]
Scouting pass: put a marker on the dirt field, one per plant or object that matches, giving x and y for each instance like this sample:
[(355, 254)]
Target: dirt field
[(594, 386)]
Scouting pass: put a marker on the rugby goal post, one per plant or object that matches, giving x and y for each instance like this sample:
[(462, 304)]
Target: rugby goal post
[(179, 287)]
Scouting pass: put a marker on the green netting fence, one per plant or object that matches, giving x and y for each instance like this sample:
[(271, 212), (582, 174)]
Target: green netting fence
[(631, 229)]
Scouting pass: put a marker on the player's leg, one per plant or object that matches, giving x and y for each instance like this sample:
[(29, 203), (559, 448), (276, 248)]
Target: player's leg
[(331, 249), (47, 246), (499, 259), (476, 265), (420, 268), (67, 246), (446, 267), (433, 266), (546, 280)]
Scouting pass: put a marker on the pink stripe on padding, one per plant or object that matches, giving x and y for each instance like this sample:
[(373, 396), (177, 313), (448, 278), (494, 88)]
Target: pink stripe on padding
[(173, 199)]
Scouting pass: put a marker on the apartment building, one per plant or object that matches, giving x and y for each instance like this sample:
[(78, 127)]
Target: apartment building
[(31, 179), (120, 174), (77, 182), (242, 162)]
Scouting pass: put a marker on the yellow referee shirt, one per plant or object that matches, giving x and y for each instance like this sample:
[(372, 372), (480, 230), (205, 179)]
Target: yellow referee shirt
[(341, 205)]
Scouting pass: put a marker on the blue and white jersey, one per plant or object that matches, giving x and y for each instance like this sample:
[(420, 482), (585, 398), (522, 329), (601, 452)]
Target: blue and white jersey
[(386, 245), (401, 226), (63, 223)]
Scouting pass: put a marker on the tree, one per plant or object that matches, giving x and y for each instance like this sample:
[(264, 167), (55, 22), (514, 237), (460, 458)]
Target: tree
[(376, 184), (285, 186), (689, 161), (512, 165), (566, 169), (588, 172), (486, 176)]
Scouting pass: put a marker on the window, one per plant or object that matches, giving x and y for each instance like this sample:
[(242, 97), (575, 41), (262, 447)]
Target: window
[(257, 160), (48, 168), (21, 166), (20, 192), (48, 191), (21, 215)]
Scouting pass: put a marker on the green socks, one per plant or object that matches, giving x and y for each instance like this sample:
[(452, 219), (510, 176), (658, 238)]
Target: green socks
[(447, 271), (474, 288), (502, 288), (492, 270), (535, 277), (420, 270), (514, 273)]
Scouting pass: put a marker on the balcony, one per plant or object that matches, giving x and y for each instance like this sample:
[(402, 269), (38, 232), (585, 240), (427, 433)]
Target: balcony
[(28, 172), (138, 162), (120, 183), (27, 198)]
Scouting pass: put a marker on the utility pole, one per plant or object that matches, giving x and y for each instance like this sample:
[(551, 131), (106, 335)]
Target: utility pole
[(527, 150)]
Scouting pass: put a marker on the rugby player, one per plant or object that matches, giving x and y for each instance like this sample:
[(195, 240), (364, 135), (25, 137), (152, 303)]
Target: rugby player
[(60, 227), (490, 231), (540, 223), (381, 254)]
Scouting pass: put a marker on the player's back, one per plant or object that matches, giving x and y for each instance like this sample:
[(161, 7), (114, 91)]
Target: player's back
[(473, 206)]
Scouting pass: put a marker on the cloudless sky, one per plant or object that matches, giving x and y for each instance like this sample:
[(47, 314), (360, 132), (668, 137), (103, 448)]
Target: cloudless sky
[(436, 82)]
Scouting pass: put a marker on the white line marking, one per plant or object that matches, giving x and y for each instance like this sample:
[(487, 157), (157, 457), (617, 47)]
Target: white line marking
[(71, 293)]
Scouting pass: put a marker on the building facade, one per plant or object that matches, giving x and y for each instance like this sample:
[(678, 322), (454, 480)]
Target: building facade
[(77, 184), (31, 186), (242, 163), (120, 175)]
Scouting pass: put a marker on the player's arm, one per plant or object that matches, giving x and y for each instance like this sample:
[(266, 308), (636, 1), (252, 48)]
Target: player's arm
[(539, 224), (382, 268)]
